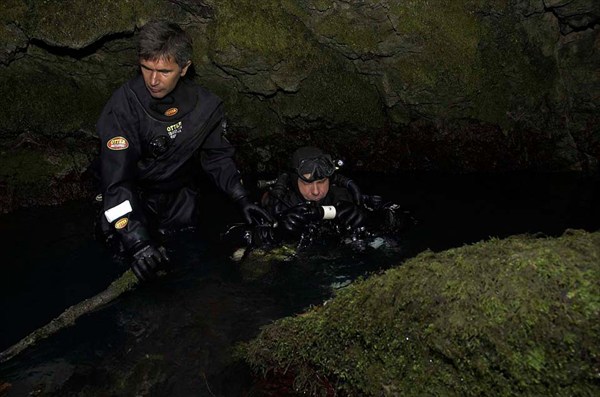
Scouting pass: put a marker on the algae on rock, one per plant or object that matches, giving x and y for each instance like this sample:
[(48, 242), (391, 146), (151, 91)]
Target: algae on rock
[(517, 316)]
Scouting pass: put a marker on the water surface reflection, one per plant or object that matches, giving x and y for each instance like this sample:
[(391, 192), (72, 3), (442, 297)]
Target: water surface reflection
[(175, 336)]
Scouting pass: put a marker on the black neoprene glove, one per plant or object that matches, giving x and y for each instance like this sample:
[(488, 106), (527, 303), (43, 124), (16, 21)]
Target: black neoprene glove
[(349, 184), (263, 235), (349, 214), (295, 219), (253, 214), (147, 259)]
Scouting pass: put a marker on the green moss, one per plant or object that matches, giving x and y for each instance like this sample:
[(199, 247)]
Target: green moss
[(334, 95), (260, 29), (503, 318), (12, 14), (445, 36), (51, 94), (347, 27), (126, 282), (261, 36), (27, 166), (463, 55), (43, 100), (514, 76), (257, 263), (244, 110), (37, 171), (67, 93), (80, 22), (13, 11)]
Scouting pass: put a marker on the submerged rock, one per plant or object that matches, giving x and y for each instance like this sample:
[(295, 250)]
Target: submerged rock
[(508, 317), (259, 262)]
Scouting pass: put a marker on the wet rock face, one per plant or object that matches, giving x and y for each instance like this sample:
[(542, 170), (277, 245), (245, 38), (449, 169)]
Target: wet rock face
[(387, 85), (574, 15)]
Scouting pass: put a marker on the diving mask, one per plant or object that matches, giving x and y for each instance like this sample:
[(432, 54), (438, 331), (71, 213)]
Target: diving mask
[(316, 168)]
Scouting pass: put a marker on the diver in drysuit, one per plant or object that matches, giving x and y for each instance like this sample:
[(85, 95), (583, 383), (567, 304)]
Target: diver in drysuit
[(312, 199), (158, 132)]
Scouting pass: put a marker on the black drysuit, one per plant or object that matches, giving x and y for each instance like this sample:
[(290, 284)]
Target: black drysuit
[(285, 195), (149, 158), (285, 198), (373, 215)]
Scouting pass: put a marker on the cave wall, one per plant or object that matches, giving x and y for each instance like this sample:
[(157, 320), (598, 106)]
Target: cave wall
[(466, 85)]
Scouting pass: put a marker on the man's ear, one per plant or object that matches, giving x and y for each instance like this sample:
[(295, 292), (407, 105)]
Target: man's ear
[(185, 68)]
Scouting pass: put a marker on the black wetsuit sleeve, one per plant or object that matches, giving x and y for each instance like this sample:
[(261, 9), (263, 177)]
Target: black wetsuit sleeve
[(280, 197), (217, 160), (271, 204), (119, 153)]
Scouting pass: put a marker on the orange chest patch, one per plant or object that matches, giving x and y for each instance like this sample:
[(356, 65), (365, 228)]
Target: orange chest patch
[(117, 143), (171, 112)]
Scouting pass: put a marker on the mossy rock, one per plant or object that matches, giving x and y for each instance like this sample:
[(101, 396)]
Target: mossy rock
[(36, 171), (508, 317), (46, 102), (353, 77), (79, 23), (259, 262)]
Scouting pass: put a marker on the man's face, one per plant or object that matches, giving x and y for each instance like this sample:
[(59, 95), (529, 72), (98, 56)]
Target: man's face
[(313, 191), (161, 75)]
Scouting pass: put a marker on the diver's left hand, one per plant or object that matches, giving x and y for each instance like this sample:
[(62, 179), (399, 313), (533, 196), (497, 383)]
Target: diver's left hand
[(253, 214), (264, 235), (349, 214)]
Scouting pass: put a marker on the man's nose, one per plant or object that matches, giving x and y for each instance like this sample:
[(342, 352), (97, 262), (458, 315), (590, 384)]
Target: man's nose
[(154, 78), (315, 189)]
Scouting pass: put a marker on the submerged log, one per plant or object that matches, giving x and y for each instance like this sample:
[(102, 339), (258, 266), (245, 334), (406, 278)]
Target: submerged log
[(125, 283)]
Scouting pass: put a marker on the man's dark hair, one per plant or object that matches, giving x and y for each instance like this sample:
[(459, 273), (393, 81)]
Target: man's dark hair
[(162, 39)]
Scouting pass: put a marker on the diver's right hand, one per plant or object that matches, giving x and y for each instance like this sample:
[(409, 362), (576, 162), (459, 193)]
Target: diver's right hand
[(296, 219), (147, 260)]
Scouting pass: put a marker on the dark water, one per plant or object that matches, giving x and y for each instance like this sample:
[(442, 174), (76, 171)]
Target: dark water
[(174, 336)]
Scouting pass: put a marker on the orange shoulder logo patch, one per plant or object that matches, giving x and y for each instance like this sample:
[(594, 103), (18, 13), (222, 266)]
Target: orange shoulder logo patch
[(171, 112), (121, 223), (117, 143)]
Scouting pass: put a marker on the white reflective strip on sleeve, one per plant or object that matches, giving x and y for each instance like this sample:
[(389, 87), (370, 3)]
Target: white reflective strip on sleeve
[(118, 211), (328, 212)]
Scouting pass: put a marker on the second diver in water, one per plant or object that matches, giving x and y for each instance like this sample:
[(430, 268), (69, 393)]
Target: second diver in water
[(311, 200)]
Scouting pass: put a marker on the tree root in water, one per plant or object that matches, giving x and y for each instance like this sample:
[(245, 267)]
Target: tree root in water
[(125, 283)]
